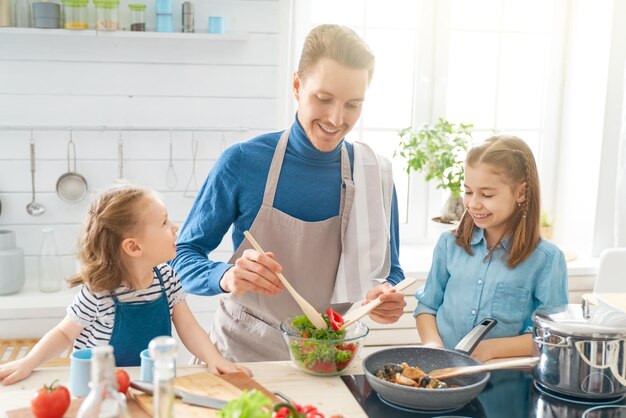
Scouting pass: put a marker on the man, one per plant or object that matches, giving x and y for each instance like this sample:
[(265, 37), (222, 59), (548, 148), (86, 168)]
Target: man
[(294, 190)]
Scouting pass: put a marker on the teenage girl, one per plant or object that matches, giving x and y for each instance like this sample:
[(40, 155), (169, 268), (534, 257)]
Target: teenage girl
[(495, 265), (128, 295)]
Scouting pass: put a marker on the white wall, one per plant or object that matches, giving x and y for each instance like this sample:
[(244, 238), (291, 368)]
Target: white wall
[(63, 78)]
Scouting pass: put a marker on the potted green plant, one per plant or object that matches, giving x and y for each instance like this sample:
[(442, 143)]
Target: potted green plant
[(438, 150), (546, 225)]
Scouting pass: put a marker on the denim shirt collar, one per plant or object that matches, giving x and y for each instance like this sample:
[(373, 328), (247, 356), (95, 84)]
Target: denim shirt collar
[(478, 236)]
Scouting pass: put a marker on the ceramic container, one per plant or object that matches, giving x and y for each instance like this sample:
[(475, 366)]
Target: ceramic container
[(11, 264)]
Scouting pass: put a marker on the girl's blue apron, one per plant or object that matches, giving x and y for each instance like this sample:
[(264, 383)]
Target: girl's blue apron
[(136, 324)]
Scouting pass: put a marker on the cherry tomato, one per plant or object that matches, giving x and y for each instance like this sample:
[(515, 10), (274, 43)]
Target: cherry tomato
[(123, 380), (50, 401)]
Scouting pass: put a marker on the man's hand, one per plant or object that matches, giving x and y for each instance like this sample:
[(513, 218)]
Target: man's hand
[(392, 306), (253, 272)]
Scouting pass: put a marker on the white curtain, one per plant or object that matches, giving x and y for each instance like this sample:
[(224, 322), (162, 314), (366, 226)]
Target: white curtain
[(620, 192)]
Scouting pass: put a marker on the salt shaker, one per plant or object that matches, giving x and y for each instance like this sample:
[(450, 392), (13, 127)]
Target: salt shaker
[(163, 352), (188, 19)]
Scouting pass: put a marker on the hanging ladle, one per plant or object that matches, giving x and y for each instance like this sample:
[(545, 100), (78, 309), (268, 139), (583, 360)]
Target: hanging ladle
[(172, 180), (33, 208)]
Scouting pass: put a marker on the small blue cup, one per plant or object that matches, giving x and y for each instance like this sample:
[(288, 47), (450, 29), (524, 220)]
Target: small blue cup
[(216, 24), (146, 366), (80, 372)]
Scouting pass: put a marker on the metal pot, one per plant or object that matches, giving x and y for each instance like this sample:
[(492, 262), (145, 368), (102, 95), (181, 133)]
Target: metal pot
[(580, 355)]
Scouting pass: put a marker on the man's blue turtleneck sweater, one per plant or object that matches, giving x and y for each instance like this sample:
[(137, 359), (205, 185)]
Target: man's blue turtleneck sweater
[(309, 189)]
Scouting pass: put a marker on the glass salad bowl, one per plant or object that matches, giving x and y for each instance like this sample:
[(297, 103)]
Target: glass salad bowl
[(322, 352)]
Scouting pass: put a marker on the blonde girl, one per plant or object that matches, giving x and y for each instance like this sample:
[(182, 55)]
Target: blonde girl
[(128, 294), (495, 265)]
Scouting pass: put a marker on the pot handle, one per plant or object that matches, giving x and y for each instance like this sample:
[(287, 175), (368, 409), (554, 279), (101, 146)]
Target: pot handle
[(541, 340), (471, 340)]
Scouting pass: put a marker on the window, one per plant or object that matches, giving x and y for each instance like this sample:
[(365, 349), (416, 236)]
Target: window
[(493, 63)]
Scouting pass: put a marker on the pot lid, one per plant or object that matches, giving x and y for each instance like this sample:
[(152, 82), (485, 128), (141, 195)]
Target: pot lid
[(569, 320)]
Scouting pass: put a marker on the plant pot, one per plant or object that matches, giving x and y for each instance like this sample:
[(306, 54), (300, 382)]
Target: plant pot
[(11, 264), (452, 210), (546, 232)]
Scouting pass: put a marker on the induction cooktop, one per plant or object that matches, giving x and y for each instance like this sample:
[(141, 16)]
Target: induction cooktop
[(509, 394)]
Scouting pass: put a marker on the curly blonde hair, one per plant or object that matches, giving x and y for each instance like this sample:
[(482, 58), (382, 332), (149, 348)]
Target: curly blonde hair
[(111, 217), (513, 159)]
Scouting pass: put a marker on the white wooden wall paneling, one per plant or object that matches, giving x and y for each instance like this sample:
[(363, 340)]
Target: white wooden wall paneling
[(97, 79)]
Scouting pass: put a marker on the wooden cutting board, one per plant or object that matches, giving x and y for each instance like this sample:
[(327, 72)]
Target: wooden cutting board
[(227, 387), (613, 300)]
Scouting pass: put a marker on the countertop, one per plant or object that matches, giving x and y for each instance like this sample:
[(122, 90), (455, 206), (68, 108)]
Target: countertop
[(329, 394)]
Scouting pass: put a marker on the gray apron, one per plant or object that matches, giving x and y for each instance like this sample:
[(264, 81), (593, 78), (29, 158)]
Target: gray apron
[(247, 327)]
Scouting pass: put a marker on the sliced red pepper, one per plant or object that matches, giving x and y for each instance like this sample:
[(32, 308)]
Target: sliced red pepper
[(335, 318)]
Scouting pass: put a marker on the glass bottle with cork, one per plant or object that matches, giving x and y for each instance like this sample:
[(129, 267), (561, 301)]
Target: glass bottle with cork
[(103, 401)]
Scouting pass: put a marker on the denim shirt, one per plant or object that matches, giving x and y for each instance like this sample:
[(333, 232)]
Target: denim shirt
[(462, 289)]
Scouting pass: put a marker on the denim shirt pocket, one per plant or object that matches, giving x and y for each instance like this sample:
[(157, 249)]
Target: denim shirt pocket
[(509, 304)]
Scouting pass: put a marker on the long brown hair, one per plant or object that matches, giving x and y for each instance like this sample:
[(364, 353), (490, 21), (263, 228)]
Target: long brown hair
[(511, 157), (111, 217), (338, 43)]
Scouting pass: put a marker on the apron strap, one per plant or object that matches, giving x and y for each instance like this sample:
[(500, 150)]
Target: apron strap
[(158, 273), (347, 191), (274, 173)]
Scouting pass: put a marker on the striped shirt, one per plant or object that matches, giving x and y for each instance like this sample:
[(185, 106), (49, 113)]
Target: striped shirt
[(95, 312)]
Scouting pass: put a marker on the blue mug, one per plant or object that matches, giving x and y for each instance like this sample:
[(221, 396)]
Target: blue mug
[(80, 372), (147, 364), (146, 373), (216, 24)]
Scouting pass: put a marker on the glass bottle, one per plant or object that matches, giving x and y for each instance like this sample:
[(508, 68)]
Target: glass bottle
[(22, 14), (50, 278), (103, 401), (163, 352)]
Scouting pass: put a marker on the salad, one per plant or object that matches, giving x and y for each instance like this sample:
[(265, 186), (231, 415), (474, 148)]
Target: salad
[(323, 351)]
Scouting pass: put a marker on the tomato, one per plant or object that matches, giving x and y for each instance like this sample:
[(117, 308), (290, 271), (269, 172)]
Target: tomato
[(335, 318), (123, 380), (50, 401)]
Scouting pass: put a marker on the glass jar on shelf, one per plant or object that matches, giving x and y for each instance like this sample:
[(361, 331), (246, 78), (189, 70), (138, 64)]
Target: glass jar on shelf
[(107, 14), (75, 14), (137, 17)]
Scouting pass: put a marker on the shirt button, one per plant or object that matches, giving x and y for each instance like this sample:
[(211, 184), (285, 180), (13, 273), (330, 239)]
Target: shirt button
[(480, 282), (473, 311)]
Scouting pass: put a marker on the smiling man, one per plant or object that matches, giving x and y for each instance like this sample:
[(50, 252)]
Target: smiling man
[(325, 208)]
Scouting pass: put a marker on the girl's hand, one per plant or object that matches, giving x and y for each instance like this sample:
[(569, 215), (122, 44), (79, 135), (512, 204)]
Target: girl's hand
[(14, 372), (221, 366)]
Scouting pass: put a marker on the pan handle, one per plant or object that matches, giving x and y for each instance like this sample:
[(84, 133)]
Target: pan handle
[(471, 340)]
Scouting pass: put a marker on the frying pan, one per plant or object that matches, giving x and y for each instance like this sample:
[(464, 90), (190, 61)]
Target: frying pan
[(426, 358), (71, 186)]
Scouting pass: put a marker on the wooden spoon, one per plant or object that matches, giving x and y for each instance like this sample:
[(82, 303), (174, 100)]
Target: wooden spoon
[(358, 313), (314, 316), (461, 371)]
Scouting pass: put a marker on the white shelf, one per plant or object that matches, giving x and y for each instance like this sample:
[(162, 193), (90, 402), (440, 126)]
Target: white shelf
[(235, 36)]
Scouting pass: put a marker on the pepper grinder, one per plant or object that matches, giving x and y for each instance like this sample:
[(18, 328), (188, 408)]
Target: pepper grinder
[(188, 19)]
